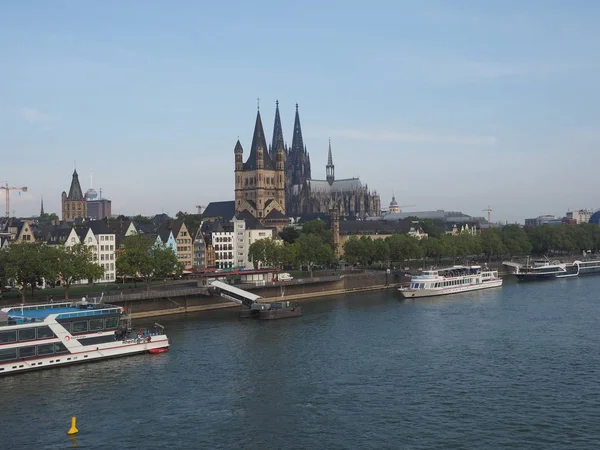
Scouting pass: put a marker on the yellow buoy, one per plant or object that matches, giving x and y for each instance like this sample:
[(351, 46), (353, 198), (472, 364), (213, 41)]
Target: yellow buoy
[(73, 429)]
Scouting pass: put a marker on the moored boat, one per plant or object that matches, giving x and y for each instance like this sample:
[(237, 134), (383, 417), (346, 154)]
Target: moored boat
[(451, 280), (55, 334), (548, 270)]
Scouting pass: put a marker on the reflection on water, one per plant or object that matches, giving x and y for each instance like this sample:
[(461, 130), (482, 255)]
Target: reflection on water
[(511, 367)]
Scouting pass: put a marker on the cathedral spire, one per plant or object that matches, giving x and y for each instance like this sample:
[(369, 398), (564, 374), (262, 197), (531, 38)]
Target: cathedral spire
[(277, 133), (297, 141), (330, 168)]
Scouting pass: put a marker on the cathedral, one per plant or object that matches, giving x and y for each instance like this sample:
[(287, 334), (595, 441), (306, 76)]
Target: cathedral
[(74, 205), (301, 193), (260, 181)]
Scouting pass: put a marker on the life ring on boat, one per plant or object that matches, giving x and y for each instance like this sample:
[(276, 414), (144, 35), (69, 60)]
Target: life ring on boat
[(67, 338)]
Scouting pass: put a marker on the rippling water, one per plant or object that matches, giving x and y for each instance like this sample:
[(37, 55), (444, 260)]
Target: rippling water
[(515, 367)]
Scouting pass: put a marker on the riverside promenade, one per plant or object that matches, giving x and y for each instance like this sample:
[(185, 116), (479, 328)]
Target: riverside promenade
[(189, 298)]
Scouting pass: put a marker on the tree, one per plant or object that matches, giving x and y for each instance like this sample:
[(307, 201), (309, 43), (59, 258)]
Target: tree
[(352, 250), (48, 217), (76, 263), (317, 227), (515, 240), (491, 243), (191, 220), (289, 254), (142, 220), (141, 256), (432, 230), (29, 264), (403, 247), (312, 250), (381, 253), (289, 234)]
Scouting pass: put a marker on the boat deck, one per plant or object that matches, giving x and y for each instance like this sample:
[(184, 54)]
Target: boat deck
[(37, 313)]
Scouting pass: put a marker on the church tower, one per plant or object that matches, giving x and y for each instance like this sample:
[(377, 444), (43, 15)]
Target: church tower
[(74, 205), (330, 168), (260, 181)]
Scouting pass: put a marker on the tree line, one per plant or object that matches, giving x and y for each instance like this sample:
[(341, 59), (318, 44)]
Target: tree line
[(312, 246), (28, 265), (506, 242)]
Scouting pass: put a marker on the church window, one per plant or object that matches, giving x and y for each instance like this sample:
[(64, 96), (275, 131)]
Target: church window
[(246, 182)]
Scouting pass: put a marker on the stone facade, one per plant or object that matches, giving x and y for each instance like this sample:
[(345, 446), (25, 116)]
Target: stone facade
[(74, 205)]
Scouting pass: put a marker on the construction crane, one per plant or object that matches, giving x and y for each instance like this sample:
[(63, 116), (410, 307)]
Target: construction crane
[(489, 211), (7, 191), (200, 208)]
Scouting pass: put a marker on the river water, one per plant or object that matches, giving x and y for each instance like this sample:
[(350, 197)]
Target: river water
[(516, 367)]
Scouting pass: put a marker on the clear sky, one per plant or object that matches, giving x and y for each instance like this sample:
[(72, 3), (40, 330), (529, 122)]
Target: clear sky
[(450, 104)]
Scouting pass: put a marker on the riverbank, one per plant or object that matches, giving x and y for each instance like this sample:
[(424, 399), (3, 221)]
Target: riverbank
[(298, 292)]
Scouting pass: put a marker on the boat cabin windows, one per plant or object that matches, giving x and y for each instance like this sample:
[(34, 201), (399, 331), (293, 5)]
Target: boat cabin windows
[(27, 334), (44, 333), (46, 349), (112, 323), (80, 326), (8, 336), (26, 352), (96, 324), (29, 352), (8, 354)]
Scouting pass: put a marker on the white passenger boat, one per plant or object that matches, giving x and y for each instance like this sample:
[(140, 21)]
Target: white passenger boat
[(55, 334), (451, 280)]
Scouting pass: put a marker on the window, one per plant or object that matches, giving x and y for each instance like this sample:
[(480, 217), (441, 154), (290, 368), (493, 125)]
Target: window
[(8, 336), (46, 349), (79, 327), (26, 352), (28, 334), (111, 323), (96, 324), (44, 333), (8, 354), (60, 348)]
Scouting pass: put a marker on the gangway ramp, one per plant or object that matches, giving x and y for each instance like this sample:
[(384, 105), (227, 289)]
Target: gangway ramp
[(234, 294), (514, 265)]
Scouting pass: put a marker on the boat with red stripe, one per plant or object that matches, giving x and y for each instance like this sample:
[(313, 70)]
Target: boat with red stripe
[(55, 334)]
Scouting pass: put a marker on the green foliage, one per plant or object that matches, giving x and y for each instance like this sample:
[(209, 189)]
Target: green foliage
[(28, 264), (76, 263), (432, 230), (313, 250), (264, 252), (403, 247), (515, 240), (191, 220), (140, 256), (142, 220), (317, 227), (547, 239), (47, 217), (491, 243), (289, 235)]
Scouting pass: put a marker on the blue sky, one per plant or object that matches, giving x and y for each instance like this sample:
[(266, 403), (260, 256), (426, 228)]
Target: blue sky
[(451, 105)]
